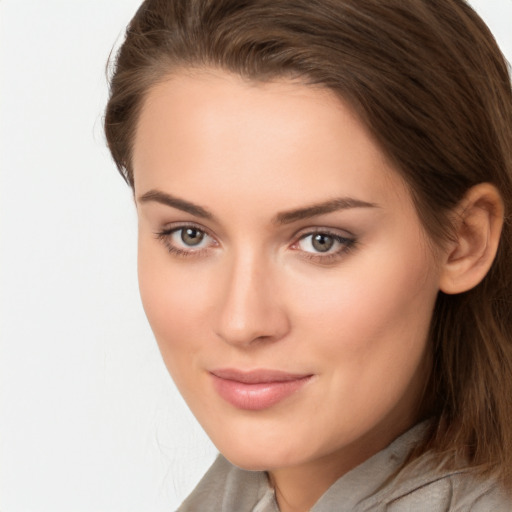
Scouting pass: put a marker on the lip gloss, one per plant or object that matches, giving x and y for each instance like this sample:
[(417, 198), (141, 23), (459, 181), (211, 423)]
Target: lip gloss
[(256, 390)]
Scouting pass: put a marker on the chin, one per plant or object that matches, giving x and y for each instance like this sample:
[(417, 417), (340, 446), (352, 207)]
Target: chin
[(254, 460), (260, 453)]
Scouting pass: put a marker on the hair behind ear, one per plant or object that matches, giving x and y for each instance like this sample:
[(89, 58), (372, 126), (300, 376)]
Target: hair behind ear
[(471, 381)]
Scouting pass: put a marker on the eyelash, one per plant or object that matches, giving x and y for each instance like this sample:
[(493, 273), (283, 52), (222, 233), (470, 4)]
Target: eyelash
[(347, 244), (166, 234)]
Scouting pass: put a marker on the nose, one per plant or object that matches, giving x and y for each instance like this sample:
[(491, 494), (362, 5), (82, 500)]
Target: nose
[(250, 309)]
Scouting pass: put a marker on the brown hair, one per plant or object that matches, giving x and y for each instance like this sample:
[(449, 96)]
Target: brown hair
[(429, 81)]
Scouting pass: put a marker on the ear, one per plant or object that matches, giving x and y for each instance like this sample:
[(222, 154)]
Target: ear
[(478, 224)]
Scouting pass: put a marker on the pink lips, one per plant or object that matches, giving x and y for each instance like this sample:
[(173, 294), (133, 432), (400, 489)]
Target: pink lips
[(257, 389)]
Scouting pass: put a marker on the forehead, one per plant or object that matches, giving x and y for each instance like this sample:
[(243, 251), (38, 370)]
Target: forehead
[(207, 132)]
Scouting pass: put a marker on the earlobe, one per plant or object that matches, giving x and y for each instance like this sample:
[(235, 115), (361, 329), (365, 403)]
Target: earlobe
[(478, 225)]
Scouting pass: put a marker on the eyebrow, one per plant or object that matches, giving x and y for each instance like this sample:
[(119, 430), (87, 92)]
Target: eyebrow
[(175, 202), (333, 205), (287, 217)]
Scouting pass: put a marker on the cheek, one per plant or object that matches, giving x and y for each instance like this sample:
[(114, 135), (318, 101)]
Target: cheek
[(366, 329), (174, 301), (375, 310)]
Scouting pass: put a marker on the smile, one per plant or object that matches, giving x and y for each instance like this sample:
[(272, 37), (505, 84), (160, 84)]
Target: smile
[(258, 389)]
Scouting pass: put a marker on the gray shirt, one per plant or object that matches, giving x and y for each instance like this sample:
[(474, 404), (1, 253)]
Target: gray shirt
[(369, 487)]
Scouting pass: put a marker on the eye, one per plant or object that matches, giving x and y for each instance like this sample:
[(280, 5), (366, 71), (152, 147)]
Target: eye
[(319, 242), (186, 240), (323, 245), (191, 237)]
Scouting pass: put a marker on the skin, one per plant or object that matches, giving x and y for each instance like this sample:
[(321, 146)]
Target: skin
[(256, 293)]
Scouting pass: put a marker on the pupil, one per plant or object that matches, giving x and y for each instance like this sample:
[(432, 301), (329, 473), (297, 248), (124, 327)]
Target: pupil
[(322, 243), (191, 236)]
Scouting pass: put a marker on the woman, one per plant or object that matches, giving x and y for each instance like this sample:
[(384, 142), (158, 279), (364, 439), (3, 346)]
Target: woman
[(324, 190)]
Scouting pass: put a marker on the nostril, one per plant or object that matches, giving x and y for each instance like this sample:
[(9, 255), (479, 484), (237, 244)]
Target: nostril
[(254, 327)]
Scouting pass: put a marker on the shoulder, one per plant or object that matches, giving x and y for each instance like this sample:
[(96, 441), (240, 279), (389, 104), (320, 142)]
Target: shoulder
[(207, 490), (439, 491), (226, 488), (427, 485), (385, 483)]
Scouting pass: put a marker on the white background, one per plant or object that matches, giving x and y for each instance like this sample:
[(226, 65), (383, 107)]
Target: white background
[(89, 419)]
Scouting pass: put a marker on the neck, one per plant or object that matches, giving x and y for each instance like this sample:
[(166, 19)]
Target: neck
[(299, 487)]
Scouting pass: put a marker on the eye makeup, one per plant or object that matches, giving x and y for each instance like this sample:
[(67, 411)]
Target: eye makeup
[(186, 240), (321, 245)]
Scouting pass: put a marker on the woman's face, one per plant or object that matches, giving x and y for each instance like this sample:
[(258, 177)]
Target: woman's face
[(283, 269)]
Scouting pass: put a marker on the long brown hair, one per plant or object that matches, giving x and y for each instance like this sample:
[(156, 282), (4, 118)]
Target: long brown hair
[(429, 81)]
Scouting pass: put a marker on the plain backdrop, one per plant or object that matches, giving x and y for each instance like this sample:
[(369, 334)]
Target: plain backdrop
[(89, 419)]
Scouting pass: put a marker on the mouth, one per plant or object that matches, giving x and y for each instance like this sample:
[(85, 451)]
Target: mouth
[(256, 389)]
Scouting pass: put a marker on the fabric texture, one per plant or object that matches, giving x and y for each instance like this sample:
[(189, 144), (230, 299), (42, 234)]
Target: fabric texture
[(373, 486)]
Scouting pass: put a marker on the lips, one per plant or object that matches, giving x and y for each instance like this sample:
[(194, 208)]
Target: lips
[(257, 389)]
